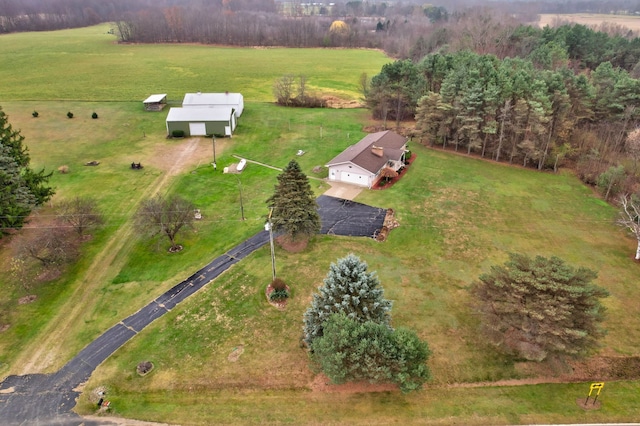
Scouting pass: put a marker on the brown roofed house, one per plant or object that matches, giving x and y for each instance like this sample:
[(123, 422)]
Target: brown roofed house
[(361, 164)]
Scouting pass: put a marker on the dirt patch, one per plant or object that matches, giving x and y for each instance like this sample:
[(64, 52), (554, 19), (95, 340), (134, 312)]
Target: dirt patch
[(177, 156), (321, 383), (290, 245), (588, 404), (235, 353), (4, 327), (334, 102), (49, 274), (27, 299)]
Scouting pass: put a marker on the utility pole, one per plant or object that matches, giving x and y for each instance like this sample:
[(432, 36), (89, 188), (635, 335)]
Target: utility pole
[(241, 204), (269, 228), (215, 166)]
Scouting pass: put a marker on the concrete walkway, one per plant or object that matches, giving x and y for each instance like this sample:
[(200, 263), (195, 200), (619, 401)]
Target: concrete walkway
[(48, 399)]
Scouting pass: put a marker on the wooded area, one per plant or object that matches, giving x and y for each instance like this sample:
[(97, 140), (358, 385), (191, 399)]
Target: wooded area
[(569, 97)]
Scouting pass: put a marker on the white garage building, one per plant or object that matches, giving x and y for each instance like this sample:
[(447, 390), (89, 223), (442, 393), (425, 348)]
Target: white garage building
[(220, 121)]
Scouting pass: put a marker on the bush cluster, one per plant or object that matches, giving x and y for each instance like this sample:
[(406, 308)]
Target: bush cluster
[(279, 294)]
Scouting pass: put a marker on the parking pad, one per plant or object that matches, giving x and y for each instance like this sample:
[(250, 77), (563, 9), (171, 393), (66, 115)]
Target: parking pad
[(348, 218)]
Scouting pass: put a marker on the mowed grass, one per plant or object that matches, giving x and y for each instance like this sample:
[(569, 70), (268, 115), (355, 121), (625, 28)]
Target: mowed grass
[(143, 269), (458, 216), (86, 71), (88, 64)]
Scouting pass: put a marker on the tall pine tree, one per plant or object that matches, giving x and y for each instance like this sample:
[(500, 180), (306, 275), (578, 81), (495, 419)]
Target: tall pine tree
[(295, 211), (21, 189), (533, 308), (348, 288)]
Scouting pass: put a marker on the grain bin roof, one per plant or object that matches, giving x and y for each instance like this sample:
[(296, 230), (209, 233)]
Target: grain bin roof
[(200, 114)]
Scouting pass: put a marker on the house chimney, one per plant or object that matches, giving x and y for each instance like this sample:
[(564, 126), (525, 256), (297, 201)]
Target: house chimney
[(378, 151)]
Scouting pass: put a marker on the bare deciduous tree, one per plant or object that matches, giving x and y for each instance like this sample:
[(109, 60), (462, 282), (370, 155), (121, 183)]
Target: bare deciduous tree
[(166, 216), (283, 89), (632, 147), (630, 217), (80, 213), (51, 246)]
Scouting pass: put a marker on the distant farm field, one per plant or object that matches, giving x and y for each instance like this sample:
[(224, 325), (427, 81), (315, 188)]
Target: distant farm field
[(88, 65), (592, 19)]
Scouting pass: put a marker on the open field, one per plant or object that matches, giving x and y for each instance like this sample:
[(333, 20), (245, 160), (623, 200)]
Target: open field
[(458, 217), (592, 19), (87, 64)]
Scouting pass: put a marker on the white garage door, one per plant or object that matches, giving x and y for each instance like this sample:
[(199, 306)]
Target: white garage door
[(355, 178), (197, 129)]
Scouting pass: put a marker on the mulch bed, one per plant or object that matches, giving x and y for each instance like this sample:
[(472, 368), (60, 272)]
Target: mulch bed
[(280, 304)]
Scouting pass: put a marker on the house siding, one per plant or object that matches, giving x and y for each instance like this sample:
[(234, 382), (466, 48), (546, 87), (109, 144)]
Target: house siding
[(336, 174)]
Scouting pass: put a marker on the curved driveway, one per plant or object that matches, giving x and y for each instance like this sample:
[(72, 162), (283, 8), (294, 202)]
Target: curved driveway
[(47, 399)]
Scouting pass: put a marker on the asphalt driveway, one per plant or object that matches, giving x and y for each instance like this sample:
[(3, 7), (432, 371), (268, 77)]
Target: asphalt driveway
[(48, 399)]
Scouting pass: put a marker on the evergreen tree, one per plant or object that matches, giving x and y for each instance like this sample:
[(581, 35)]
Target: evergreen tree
[(348, 288), (353, 350), (429, 116), (295, 211), (532, 308), (22, 189)]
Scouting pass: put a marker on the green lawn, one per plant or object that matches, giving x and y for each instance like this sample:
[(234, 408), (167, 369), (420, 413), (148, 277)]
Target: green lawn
[(88, 65), (458, 216)]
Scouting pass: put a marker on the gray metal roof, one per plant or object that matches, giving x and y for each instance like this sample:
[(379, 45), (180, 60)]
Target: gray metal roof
[(360, 154), (211, 99), (200, 114), (154, 99)]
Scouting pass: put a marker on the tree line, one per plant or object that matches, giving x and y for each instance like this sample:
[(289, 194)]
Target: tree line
[(534, 111)]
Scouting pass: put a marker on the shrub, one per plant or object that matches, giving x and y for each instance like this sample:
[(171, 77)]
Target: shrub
[(70, 114), (94, 115), (279, 295), (35, 114), (278, 284), (177, 133)]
